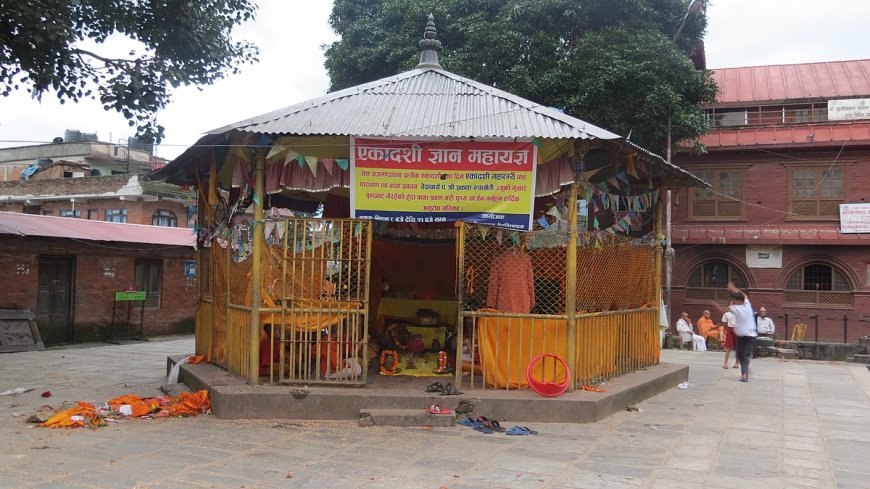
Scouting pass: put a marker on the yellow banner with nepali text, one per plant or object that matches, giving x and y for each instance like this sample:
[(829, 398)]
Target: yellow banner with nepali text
[(412, 181)]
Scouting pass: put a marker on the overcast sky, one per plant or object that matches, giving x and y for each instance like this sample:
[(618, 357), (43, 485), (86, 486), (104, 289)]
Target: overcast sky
[(290, 36)]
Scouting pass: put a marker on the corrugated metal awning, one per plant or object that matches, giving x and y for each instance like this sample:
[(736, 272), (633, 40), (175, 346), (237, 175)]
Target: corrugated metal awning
[(12, 223)]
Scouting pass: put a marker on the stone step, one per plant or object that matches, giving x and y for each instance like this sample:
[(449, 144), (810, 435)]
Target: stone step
[(860, 358), (405, 417), (786, 353)]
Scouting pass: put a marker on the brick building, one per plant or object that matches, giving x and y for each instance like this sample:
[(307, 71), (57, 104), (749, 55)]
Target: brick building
[(790, 144), (68, 270), (117, 198)]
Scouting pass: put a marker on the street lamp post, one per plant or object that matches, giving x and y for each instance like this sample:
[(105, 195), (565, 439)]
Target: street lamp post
[(694, 7)]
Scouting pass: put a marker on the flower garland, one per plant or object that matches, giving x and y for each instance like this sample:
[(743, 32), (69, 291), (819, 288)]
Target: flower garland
[(395, 367)]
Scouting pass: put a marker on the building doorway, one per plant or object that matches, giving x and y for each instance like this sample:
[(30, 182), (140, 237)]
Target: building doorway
[(54, 302)]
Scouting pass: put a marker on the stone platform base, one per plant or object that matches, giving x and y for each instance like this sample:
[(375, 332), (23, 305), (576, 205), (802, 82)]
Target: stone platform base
[(233, 398)]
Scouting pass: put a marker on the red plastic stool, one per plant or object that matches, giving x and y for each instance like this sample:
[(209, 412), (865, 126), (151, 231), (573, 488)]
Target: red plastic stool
[(548, 389)]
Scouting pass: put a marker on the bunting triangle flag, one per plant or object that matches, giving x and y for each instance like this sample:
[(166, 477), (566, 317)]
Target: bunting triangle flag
[(543, 222), (594, 207), (595, 223), (611, 230), (622, 177), (598, 243), (300, 160), (515, 238), (602, 185), (590, 173), (328, 164), (281, 226), (554, 211), (291, 156), (613, 182), (311, 161), (484, 230), (275, 151), (630, 168), (342, 163)]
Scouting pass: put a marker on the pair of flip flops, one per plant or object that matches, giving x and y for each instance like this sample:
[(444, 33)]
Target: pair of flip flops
[(482, 424), (521, 430), (444, 390)]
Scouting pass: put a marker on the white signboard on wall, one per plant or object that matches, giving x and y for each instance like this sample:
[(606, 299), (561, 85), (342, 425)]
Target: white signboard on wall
[(849, 109), (854, 218), (758, 256)]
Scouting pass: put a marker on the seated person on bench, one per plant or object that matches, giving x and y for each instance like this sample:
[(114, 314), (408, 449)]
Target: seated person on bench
[(708, 329)]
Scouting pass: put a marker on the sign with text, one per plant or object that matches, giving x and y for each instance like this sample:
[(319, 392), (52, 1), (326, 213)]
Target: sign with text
[(854, 218), (760, 256), (130, 296), (486, 182), (848, 109)]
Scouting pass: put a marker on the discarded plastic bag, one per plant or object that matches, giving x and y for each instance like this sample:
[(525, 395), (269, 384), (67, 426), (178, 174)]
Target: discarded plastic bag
[(176, 370)]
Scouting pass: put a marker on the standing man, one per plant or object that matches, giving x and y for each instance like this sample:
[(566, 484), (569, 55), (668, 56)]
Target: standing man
[(764, 324), (744, 328)]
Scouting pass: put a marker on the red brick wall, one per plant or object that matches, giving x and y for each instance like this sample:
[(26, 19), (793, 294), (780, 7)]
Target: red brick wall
[(100, 271), (765, 287), (137, 212)]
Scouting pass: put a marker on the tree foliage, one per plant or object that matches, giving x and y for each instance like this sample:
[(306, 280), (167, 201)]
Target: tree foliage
[(60, 46), (611, 62)]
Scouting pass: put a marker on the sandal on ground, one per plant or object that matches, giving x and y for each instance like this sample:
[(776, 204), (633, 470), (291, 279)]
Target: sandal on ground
[(736, 366), (724, 366), (467, 421), (449, 390), (436, 409), (518, 430), (531, 431), (483, 429), (489, 423), (435, 387)]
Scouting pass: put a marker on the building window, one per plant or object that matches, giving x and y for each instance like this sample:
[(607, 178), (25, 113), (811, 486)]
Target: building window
[(47, 213), (164, 218), (816, 193), (818, 284), (722, 201), (94, 214), (149, 274), (116, 215), (707, 282), (70, 213)]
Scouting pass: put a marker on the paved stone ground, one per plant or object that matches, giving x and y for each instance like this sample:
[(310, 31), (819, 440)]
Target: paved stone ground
[(796, 424)]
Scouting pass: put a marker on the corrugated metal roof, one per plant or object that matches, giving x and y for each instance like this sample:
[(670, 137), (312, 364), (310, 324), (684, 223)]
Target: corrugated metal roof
[(778, 83), (72, 228), (426, 103)]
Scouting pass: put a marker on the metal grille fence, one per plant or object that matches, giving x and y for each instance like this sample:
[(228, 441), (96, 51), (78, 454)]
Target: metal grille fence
[(314, 297), (513, 297)]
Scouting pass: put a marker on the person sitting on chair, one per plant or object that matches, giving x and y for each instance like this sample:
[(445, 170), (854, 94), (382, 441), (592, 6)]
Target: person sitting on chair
[(708, 329), (687, 335), (764, 324)]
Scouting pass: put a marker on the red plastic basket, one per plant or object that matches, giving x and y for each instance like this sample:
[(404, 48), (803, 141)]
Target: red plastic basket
[(548, 389)]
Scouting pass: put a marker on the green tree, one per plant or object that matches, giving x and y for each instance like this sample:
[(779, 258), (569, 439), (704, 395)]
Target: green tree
[(60, 46), (611, 62)]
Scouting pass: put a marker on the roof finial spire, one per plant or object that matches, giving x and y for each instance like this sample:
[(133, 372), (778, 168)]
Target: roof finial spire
[(429, 46)]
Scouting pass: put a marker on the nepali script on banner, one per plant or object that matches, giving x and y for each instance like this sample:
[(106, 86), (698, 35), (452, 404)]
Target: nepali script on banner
[(483, 182)]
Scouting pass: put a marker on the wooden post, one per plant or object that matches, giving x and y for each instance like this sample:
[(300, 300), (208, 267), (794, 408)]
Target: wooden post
[(256, 269), (460, 295), (571, 285), (658, 264)]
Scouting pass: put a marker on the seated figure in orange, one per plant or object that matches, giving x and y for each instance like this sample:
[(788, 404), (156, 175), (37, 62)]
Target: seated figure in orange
[(708, 329)]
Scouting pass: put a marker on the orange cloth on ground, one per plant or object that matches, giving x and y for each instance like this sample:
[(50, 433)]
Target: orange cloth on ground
[(194, 359), (140, 406), (190, 404), (707, 329), (64, 419)]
